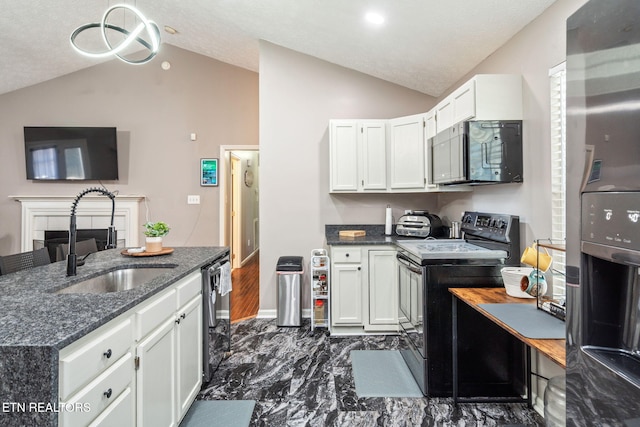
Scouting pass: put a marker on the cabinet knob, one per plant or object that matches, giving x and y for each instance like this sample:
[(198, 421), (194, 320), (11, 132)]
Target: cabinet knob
[(108, 393), (347, 255), (359, 268), (107, 354)]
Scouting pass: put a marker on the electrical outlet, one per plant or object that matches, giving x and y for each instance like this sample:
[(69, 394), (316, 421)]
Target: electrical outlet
[(193, 199)]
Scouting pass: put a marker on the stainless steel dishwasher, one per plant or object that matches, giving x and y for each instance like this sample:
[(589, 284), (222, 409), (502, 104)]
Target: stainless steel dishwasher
[(216, 333)]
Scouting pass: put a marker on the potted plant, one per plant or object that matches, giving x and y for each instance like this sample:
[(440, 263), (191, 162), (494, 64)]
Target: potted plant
[(154, 231)]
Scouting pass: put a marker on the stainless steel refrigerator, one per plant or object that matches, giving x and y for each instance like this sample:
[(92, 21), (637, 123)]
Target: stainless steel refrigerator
[(603, 197)]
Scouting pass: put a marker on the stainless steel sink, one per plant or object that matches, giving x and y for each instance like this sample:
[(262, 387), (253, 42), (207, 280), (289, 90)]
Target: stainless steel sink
[(116, 281)]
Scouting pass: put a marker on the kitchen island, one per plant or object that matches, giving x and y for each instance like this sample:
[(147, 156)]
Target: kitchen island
[(36, 323)]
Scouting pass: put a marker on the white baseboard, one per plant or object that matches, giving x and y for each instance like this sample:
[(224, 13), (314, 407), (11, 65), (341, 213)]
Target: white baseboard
[(247, 259)]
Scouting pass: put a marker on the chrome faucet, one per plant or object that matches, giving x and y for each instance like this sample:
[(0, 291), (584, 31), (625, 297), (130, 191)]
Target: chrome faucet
[(72, 258)]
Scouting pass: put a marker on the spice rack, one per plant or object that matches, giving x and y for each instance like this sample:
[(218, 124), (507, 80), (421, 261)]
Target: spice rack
[(553, 301), (320, 268)]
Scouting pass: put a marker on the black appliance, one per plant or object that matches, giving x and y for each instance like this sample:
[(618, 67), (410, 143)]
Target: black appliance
[(478, 152), (603, 164), (427, 268), (71, 153), (419, 224), (216, 333)]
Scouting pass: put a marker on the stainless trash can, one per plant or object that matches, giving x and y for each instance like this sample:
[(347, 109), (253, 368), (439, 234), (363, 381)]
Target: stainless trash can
[(289, 302)]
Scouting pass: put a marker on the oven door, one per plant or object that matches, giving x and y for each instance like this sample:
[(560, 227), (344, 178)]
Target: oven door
[(410, 302)]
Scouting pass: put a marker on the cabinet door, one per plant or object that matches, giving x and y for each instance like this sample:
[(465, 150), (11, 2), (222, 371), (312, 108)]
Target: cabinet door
[(155, 379), (346, 294), (374, 156), (343, 147), (430, 124), (189, 353), (383, 291), (119, 413), (444, 114), (464, 102), (407, 153)]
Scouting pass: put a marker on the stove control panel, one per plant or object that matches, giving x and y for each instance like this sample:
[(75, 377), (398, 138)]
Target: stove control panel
[(496, 227)]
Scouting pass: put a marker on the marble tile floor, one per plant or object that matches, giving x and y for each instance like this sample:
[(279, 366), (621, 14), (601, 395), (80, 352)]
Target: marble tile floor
[(303, 378)]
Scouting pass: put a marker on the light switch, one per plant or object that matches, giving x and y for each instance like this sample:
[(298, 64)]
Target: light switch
[(194, 137), (193, 199)]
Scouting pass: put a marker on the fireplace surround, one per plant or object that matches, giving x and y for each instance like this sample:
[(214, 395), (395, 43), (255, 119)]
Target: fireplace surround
[(43, 213)]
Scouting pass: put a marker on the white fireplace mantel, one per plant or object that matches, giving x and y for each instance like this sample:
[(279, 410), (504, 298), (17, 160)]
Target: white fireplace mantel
[(41, 213)]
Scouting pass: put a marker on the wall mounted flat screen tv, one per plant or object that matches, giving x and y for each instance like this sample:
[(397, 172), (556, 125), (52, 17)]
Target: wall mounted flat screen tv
[(71, 153)]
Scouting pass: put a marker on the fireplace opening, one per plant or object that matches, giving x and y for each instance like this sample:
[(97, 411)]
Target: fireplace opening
[(55, 238)]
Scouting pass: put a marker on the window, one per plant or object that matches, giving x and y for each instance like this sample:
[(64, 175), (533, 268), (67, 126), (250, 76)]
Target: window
[(557, 84)]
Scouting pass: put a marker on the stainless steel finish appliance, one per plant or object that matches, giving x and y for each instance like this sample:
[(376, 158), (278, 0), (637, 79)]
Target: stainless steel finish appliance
[(603, 238), (419, 224), (427, 268), (478, 152), (216, 333)]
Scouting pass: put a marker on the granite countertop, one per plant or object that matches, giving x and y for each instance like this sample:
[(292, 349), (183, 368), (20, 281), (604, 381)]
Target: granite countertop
[(34, 315), (375, 235)]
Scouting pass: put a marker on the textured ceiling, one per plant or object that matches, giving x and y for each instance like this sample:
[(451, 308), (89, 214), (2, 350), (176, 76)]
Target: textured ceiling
[(426, 45)]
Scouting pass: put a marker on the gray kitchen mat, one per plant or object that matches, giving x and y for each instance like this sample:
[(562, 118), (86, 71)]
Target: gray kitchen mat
[(219, 413), (382, 373), (528, 320)]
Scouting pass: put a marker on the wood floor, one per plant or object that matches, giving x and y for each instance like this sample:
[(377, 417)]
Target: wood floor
[(245, 297)]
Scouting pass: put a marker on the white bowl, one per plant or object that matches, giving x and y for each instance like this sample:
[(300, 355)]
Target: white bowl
[(511, 277)]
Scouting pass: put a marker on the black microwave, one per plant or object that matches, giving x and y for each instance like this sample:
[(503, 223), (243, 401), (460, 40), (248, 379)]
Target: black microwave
[(477, 152)]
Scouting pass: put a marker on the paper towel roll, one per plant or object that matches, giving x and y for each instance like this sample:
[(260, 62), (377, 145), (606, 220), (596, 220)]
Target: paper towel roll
[(388, 221)]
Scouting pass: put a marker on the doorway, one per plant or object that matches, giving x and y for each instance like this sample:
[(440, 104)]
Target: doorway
[(239, 226)]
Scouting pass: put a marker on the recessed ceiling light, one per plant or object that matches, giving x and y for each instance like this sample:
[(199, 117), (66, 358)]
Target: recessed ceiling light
[(170, 30), (374, 18)]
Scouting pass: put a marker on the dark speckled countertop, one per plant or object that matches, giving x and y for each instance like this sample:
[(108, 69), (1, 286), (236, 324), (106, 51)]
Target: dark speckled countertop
[(35, 322), (375, 235)]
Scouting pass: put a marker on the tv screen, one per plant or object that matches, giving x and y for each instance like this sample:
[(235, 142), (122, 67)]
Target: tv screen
[(71, 153)]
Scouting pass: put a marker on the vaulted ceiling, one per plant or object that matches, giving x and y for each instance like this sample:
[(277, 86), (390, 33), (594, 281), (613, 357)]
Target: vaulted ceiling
[(426, 45)]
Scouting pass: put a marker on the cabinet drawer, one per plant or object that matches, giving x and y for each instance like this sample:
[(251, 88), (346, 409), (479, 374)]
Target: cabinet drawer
[(86, 358), (188, 288), (155, 312), (99, 394), (346, 254), (119, 413)]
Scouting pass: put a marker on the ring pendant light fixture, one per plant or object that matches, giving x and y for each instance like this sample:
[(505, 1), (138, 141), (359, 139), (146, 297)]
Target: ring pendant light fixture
[(145, 25)]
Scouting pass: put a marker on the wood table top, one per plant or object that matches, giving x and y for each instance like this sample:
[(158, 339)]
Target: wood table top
[(554, 349)]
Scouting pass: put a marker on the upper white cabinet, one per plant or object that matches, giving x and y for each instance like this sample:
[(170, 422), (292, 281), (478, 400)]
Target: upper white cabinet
[(406, 148), (484, 97), (358, 155)]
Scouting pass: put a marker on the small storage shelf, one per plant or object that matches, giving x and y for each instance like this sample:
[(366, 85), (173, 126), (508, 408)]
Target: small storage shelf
[(553, 301), (320, 293)]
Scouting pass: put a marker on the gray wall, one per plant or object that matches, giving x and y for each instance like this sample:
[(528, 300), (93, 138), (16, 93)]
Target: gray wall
[(155, 112), (298, 96)]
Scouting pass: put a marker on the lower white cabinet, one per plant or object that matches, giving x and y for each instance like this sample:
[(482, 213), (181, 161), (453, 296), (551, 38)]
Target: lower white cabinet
[(169, 359), (143, 368), (363, 289), (383, 290)]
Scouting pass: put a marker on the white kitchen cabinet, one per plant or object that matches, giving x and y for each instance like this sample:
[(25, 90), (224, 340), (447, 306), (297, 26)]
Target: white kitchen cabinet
[(189, 371), (156, 382), (346, 286), (383, 290), (430, 124), (483, 97), (358, 159), (142, 368), (363, 289), (169, 358), (406, 150)]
